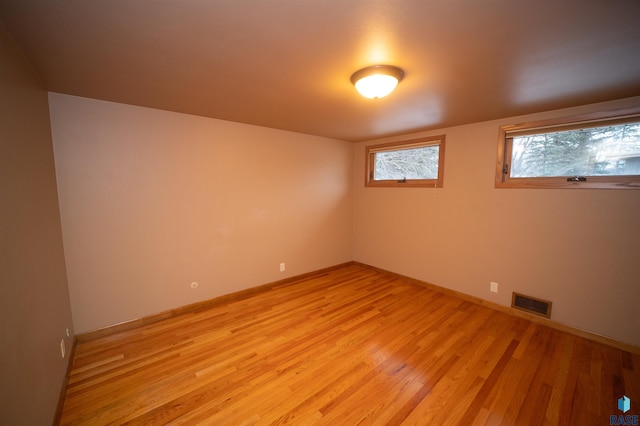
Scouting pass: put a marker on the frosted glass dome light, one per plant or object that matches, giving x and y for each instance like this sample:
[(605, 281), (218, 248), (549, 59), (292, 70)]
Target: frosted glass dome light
[(377, 81)]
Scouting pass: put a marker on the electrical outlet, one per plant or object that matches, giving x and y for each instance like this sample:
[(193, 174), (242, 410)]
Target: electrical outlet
[(62, 348), (282, 267), (493, 287)]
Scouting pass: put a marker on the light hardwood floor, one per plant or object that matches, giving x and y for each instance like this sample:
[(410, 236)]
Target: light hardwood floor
[(350, 346)]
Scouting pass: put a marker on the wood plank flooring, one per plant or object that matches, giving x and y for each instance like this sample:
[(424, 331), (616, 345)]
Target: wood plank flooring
[(348, 347)]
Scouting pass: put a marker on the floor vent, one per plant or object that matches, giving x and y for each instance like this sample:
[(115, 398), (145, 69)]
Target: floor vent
[(531, 305)]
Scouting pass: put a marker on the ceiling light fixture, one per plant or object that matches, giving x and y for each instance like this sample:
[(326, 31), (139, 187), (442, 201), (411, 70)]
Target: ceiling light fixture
[(377, 81)]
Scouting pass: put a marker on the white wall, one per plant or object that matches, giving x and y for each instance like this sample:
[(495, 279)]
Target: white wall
[(578, 248), (152, 201)]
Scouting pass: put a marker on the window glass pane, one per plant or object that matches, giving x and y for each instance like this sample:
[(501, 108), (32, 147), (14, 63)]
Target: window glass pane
[(413, 163), (599, 151)]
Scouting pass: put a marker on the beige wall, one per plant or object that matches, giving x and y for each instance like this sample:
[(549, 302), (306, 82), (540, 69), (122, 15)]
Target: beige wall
[(152, 201), (34, 297), (578, 248)]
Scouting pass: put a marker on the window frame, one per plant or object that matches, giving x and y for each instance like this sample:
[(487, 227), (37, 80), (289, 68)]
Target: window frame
[(597, 119), (371, 150)]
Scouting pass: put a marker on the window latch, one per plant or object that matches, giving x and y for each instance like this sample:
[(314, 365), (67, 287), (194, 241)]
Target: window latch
[(505, 169), (403, 180), (577, 179)]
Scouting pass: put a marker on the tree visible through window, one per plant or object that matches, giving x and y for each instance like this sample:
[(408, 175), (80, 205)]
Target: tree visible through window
[(418, 162), (597, 151), (413, 163)]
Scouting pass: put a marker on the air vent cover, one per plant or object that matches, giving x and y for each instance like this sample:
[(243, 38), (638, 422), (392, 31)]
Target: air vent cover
[(531, 305)]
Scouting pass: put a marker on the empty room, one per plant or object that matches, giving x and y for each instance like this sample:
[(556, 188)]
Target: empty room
[(320, 212)]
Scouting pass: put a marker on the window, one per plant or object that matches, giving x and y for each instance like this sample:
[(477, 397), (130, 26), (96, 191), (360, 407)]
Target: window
[(412, 163), (591, 151)]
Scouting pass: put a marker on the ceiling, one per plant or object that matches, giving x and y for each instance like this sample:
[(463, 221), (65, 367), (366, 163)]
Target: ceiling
[(286, 64)]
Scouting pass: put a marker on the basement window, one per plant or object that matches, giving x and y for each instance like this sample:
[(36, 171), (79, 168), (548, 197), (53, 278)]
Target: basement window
[(410, 163), (590, 151)]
